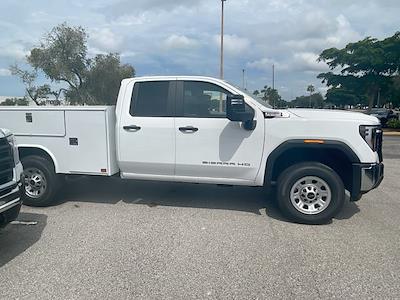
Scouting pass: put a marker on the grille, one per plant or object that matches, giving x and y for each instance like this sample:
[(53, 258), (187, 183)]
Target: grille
[(6, 162)]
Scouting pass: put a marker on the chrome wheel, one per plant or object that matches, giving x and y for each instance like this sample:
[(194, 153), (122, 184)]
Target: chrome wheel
[(310, 195), (35, 183)]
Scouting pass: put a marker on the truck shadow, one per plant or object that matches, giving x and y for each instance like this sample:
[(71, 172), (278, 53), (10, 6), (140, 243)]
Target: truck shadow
[(16, 239), (239, 198)]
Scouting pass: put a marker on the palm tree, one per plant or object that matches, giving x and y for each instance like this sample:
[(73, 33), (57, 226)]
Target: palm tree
[(310, 89)]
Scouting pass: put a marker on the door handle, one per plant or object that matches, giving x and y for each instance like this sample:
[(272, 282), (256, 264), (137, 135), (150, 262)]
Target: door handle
[(132, 128), (189, 129)]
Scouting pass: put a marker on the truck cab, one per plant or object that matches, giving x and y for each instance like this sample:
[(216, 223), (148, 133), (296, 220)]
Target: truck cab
[(203, 130), (10, 178)]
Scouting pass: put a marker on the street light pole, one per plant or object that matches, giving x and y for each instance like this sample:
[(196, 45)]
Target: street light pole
[(221, 70), (221, 67)]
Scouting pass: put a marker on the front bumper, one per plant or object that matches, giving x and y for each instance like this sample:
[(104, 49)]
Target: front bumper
[(10, 198), (366, 177)]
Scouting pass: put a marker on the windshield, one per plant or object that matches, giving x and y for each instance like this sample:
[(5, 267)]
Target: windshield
[(246, 92)]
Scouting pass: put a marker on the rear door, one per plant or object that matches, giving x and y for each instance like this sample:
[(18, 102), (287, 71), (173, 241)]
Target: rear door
[(147, 130)]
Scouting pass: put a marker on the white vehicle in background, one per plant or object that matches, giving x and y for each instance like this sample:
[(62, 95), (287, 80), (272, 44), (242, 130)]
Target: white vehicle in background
[(202, 130), (10, 178)]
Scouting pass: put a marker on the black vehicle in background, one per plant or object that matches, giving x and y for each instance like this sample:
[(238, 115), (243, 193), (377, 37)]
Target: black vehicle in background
[(383, 114)]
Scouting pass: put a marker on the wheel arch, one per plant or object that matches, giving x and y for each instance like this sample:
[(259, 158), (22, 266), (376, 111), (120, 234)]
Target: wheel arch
[(29, 150), (328, 152)]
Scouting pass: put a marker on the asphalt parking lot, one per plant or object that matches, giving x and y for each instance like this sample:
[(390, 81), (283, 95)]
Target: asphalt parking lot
[(109, 238)]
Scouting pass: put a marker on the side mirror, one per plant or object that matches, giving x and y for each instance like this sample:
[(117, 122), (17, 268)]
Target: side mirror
[(236, 109)]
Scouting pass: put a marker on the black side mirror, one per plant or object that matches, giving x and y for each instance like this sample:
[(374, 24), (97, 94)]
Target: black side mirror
[(236, 109)]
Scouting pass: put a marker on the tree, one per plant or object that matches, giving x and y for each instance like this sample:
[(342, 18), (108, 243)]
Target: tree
[(315, 100), (310, 89), (341, 97), (272, 97), (366, 67), (35, 93), (62, 57), (256, 93), (104, 77), (15, 101)]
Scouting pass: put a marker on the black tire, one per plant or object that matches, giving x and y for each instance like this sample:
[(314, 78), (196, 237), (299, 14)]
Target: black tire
[(292, 175), (46, 169)]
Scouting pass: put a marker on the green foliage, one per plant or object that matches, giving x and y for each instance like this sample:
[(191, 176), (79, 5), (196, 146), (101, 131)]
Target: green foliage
[(393, 123), (317, 101), (272, 97), (15, 102), (62, 57), (367, 67), (35, 93), (104, 77), (341, 97)]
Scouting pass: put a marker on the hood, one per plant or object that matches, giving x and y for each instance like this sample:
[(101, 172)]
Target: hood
[(327, 114)]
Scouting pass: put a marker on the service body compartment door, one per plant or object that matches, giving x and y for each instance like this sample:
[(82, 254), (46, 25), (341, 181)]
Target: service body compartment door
[(146, 130), (26, 122), (88, 142)]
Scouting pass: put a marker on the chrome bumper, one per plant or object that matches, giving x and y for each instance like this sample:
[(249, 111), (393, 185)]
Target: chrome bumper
[(366, 177), (371, 177), (10, 199)]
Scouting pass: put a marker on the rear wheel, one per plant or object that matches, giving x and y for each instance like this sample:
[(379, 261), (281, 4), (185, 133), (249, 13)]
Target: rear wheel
[(40, 181), (310, 193)]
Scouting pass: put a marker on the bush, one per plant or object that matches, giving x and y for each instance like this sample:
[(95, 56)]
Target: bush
[(393, 123)]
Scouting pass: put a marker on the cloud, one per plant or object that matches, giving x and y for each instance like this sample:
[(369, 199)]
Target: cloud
[(265, 64), (5, 72), (307, 62), (233, 44), (13, 51), (106, 40), (179, 42), (258, 33)]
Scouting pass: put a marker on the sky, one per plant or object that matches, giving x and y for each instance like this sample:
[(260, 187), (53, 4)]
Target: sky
[(181, 37)]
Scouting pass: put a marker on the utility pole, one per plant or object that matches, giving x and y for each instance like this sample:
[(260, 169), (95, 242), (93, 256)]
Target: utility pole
[(273, 77), (244, 84), (221, 70), (221, 67), (273, 85)]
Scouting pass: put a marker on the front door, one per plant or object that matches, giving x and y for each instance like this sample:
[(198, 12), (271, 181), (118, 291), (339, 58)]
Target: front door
[(208, 145), (147, 131)]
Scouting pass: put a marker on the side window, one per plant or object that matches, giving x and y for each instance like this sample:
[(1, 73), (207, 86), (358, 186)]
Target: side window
[(203, 100), (150, 99)]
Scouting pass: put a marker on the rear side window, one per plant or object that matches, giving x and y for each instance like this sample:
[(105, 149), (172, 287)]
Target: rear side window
[(150, 99)]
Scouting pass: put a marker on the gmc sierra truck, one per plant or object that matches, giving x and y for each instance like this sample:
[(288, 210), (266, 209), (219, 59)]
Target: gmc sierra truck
[(203, 130), (10, 178)]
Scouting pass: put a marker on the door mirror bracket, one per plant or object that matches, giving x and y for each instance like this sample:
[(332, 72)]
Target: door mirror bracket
[(249, 125)]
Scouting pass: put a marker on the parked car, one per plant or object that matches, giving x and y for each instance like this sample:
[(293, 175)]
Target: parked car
[(10, 178), (169, 129), (383, 114)]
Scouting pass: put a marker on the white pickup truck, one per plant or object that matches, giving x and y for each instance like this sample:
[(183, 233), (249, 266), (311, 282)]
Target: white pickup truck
[(203, 130), (10, 178)]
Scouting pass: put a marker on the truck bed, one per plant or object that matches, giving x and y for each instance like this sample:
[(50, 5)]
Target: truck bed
[(80, 139)]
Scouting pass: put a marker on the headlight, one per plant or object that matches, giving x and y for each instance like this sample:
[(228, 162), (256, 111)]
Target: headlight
[(371, 133), (13, 143)]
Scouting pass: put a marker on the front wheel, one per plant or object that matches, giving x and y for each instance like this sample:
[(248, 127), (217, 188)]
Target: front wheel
[(40, 181), (310, 193)]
